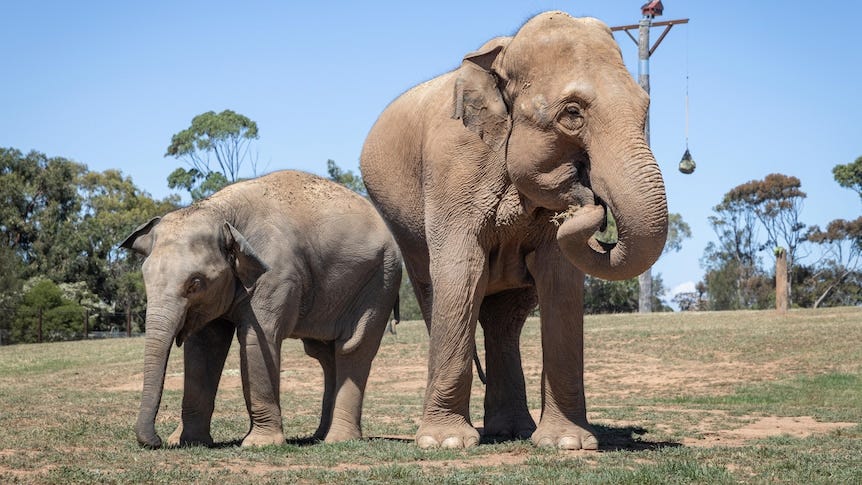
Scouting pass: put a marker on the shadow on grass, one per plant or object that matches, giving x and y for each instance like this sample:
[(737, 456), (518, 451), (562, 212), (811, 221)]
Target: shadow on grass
[(625, 438), (611, 438), (303, 441), (293, 441)]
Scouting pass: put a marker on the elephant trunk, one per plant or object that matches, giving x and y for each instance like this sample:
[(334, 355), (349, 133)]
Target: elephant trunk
[(161, 328), (629, 182)]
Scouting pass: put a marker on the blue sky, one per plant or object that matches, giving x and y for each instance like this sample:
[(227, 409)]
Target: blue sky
[(774, 86)]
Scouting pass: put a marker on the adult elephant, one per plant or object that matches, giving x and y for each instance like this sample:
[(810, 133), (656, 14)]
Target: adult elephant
[(494, 179)]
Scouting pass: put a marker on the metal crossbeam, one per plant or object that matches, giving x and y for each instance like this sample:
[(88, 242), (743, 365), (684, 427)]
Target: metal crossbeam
[(667, 24)]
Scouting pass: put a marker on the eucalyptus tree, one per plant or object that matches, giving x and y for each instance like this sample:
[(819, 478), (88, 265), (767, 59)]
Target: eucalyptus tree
[(216, 146)]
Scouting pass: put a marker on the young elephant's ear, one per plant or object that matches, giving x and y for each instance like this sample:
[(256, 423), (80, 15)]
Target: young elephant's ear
[(140, 240), (478, 101), (247, 266)]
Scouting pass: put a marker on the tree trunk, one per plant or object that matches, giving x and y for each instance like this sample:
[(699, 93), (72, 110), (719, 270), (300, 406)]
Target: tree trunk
[(830, 287), (128, 319), (781, 300)]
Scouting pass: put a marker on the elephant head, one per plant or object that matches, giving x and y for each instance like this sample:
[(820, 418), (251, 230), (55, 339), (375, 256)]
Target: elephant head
[(193, 270), (559, 105)]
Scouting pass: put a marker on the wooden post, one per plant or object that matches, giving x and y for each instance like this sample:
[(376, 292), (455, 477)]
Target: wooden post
[(86, 323), (781, 280), (128, 319), (39, 328)]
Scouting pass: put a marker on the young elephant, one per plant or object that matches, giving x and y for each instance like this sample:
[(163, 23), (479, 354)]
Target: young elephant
[(286, 255)]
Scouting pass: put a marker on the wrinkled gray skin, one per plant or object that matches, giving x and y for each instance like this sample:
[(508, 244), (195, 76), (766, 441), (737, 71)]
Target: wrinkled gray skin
[(285, 255), (468, 170)]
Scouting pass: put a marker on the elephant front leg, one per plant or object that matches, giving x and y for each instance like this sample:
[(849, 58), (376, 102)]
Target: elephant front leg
[(459, 277), (561, 301), (204, 355), (502, 317), (260, 366)]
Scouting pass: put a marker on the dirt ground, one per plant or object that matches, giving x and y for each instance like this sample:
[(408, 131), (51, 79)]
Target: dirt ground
[(714, 427)]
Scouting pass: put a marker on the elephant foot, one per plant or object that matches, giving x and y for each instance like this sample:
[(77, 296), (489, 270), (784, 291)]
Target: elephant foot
[(461, 435), (147, 437), (509, 426), (343, 434), (565, 435), (181, 438), (263, 438)]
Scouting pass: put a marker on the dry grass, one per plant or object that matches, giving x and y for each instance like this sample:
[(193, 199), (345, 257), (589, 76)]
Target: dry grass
[(689, 397)]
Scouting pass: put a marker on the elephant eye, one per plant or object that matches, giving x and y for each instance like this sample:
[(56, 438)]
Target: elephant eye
[(195, 285), (571, 119)]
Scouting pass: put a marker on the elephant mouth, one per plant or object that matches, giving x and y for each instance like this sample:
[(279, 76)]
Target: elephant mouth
[(181, 337), (597, 227), (187, 327)]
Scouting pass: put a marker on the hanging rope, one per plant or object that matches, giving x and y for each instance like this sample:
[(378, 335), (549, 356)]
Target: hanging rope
[(686, 88), (686, 165)]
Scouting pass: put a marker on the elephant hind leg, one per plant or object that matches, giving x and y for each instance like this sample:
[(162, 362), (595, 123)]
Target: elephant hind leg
[(502, 316), (351, 377), (324, 352), (370, 311)]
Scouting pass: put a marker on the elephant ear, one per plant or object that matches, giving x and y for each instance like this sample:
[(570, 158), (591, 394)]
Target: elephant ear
[(141, 239), (478, 101), (246, 264)]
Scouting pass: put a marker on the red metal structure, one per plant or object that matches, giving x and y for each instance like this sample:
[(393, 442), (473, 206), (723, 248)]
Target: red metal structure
[(652, 9)]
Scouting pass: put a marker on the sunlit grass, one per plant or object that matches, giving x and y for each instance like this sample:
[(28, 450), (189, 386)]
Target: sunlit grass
[(655, 384)]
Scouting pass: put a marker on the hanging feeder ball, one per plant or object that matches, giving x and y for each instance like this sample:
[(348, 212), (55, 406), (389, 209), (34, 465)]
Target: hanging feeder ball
[(687, 165)]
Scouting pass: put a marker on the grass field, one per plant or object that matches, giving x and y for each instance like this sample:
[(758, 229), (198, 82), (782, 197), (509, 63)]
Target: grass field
[(733, 397)]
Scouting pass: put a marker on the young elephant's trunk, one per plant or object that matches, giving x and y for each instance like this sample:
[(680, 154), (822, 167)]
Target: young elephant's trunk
[(161, 328)]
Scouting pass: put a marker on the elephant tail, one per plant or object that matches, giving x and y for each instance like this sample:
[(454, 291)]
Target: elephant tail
[(396, 315), (478, 362), (359, 332)]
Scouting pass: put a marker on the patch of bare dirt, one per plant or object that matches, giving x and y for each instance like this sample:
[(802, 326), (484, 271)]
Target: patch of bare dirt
[(798, 427), (653, 376)]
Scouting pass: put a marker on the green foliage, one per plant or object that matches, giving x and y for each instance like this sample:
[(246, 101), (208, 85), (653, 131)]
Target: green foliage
[(850, 175), (346, 177), (216, 146), (776, 201), (61, 222), (827, 284), (734, 277), (602, 296), (10, 274), (40, 199), (112, 206), (408, 304), (197, 184), (735, 284), (692, 300), (677, 231), (43, 299)]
